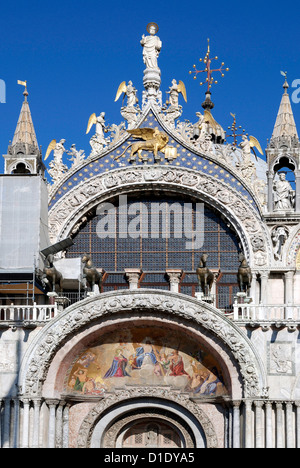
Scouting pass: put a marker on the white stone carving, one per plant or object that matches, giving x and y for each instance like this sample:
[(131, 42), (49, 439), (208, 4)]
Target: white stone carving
[(283, 194), (151, 47), (68, 211), (46, 343)]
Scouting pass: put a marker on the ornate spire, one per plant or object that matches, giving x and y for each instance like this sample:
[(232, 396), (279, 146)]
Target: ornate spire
[(24, 141), (285, 124)]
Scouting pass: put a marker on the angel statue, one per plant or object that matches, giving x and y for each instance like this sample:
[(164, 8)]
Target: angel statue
[(153, 140), (206, 131), (129, 91), (57, 167), (132, 110), (98, 141), (247, 166), (151, 46), (172, 108)]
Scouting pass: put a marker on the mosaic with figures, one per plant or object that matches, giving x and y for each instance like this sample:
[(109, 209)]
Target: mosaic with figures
[(145, 357)]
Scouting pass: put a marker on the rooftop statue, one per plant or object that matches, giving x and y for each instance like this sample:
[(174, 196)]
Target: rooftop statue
[(132, 111), (151, 46), (98, 141), (57, 167)]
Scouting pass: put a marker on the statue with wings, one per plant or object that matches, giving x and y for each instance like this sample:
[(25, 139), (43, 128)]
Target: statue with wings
[(131, 111), (57, 167), (174, 91), (205, 126), (128, 91), (249, 144), (247, 166), (151, 139), (172, 108), (98, 141)]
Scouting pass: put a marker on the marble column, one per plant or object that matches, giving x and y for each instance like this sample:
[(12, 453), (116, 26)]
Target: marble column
[(133, 275), (25, 434), (59, 425), (269, 426), (248, 424), (236, 425), (6, 424), (52, 404), (264, 276), (253, 291), (270, 175), (279, 425), (289, 293), (66, 426), (16, 423), (258, 424), (36, 425), (289, 426), (174, 276)]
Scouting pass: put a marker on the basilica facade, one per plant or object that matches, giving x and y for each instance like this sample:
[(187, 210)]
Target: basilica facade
[(150, 291)]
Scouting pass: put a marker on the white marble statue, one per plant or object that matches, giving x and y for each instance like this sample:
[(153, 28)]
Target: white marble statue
[(57, 167), (283, 194), (151, 46), (98, 141)]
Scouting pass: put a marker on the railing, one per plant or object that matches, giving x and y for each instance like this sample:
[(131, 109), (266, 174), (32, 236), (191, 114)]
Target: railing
[(21, 313), (241, 312), (260, 312)]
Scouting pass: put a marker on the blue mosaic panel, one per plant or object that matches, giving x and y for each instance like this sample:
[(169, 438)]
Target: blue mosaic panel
[(185, 158)]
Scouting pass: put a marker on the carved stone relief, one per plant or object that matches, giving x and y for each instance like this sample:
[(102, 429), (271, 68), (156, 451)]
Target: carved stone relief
[(43, 349), (68, 211)]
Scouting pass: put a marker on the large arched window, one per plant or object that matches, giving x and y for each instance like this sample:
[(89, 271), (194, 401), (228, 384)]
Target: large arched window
[(156, 233)]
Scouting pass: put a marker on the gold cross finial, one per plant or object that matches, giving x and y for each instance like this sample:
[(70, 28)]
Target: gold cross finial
[(208, 70)]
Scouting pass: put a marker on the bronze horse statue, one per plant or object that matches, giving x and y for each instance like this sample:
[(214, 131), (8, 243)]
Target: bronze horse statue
[(51, 276), (91, 274), (205, 276), (244, 275)]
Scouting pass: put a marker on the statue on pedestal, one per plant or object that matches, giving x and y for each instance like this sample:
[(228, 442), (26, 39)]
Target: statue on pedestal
[(151, 46), (283, 194), (244, 275), (205, 276), (131, 111)]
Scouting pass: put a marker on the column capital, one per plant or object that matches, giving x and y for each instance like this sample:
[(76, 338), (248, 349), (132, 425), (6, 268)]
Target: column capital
[(133, 275)]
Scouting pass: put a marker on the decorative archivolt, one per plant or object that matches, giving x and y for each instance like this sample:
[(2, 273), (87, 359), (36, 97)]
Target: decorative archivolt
[(67, 214), (136, 395), (164, 304)]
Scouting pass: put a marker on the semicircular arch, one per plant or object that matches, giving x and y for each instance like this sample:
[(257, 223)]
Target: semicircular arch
[(67, 214), (108, 306)]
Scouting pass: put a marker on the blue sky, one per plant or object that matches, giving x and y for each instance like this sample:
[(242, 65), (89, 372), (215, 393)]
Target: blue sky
[(74, 55)]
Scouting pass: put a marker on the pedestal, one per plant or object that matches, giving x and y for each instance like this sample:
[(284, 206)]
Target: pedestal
[(204, 298), (242, 298)]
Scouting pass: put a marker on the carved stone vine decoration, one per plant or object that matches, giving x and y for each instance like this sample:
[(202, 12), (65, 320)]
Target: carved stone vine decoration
[(76, 317), (68, 211)]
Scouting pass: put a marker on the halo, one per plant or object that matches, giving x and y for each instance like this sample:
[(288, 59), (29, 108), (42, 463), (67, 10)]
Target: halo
[(152, 24)]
